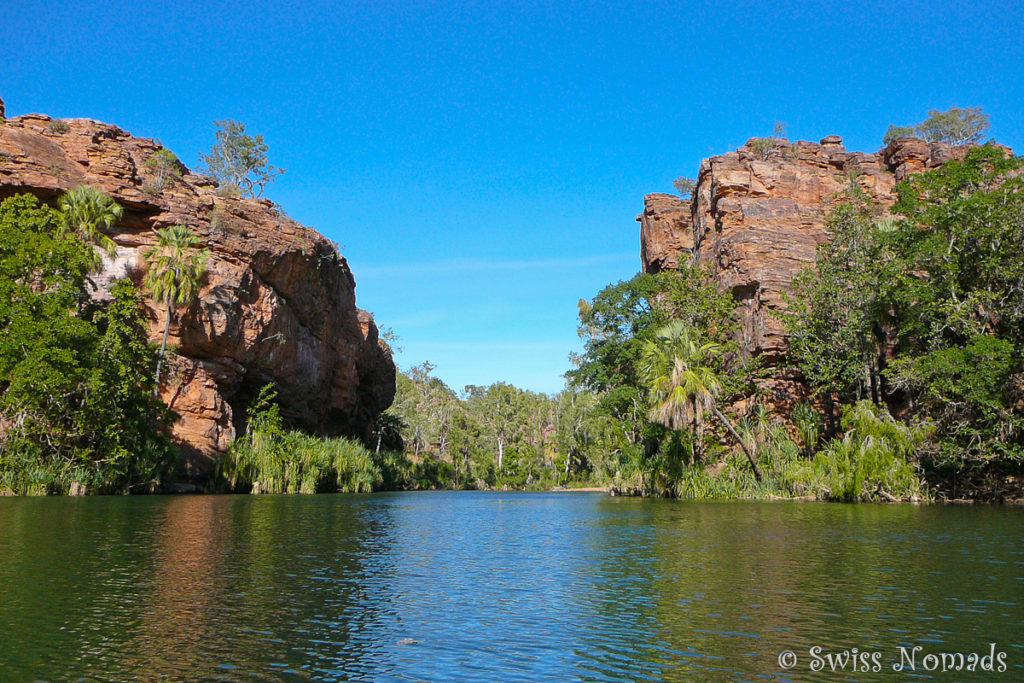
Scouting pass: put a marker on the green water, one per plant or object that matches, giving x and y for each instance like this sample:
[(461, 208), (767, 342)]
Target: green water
[(497, 587)]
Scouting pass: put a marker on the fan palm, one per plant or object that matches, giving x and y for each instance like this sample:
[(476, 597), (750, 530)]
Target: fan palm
[(681, 384), (87, 212), (176, 265)]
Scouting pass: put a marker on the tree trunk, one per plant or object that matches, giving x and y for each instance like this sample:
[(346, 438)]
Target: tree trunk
[(735, 435), (501, 455), (163, 350)]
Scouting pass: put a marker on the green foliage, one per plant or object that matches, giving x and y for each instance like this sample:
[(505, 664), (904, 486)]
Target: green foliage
[(763, 147), (175, 265), (837, 315), (164, 165), (926, 307), (175, 268), (618, 326), (870, 462), (618, 320), (677, 368), (57, 127), (684, 186), (893, 132), (971, 393), (271, 459), (808, 426), (87, 212), (76, 379), (239, 161), (955, 125), (496, 436)]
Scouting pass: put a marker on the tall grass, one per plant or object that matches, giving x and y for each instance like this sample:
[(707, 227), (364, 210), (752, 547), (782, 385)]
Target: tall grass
[(269, 459), (292, 462)]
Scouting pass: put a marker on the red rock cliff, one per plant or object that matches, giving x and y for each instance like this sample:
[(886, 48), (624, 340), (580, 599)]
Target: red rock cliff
[(757, 217), (278, 303)]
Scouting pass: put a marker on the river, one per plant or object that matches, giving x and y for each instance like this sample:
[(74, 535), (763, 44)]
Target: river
[(496, 586)]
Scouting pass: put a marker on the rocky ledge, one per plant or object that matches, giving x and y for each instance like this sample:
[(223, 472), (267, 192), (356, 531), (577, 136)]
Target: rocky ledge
[(277, 305), (756, 217)]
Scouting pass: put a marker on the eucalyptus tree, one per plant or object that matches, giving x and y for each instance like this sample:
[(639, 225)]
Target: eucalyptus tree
[(176, 265), (675, 365), (87, 212), (239, 160)]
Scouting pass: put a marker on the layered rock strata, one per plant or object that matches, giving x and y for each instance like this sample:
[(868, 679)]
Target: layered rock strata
[(756, 217), (277, 305)]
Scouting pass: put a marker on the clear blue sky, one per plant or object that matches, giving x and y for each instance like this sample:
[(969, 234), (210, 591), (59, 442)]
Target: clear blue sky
[(482, 163)]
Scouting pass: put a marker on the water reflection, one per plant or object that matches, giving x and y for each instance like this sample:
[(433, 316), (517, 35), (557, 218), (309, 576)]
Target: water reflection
[(185, 588), (491, 586)]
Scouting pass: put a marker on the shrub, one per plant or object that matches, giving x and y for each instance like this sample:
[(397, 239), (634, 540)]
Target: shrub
[(76, 379), (163, 165), (270, 459), (684, 186), (870, 461), (239, 161), (57, 127)]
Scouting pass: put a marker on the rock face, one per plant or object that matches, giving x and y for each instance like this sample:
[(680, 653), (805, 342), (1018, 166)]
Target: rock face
[(277, 305), (757, 216)]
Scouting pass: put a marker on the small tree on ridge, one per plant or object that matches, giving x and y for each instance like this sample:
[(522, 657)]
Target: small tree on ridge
[(238, 160)]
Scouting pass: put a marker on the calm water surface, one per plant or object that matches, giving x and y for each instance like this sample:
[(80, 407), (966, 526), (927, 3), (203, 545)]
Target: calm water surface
[(496, 587)]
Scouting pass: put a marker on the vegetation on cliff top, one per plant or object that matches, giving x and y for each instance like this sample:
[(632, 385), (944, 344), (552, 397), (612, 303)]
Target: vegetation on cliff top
[(955, 125)]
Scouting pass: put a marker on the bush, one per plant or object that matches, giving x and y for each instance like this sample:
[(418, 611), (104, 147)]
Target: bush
[(164, 165), (269, 459), (76, 378), (239, 161), (870, 462), (684, 186)]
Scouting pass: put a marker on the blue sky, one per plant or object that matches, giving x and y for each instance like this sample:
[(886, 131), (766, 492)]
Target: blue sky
[(482, 163)]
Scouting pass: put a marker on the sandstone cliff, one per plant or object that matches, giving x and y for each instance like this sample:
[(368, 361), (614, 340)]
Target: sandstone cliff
[(278, 303), (756, 217)]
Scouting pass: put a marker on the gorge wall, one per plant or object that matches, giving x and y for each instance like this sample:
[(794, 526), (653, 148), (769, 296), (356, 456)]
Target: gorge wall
[(277, 305), (755, 219)]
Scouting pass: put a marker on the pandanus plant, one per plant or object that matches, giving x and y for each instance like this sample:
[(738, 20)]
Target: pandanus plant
[(175, 268)]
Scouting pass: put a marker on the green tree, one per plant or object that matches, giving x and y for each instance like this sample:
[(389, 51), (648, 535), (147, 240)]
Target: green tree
[(616, 322), (836, 315), (684, 186), (87, 212), (955, 125), (676, 367), (239, 161), (959, 305), (75, 377), (176, 266)]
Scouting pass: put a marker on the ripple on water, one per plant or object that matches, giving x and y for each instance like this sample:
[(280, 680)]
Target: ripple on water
[(490, 586)]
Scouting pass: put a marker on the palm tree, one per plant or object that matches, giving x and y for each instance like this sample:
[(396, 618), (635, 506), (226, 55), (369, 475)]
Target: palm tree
[(682, 385), (87, 212), (176, 266)]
